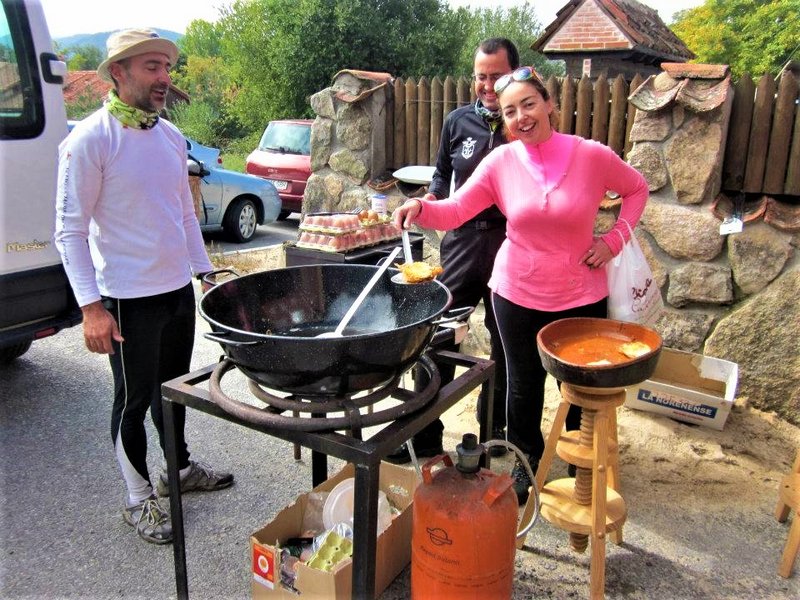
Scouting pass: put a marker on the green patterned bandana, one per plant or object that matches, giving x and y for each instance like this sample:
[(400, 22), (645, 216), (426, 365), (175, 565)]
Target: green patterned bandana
[(130, 116), (492, 117)]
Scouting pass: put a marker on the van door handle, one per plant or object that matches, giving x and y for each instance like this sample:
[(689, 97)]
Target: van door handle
[(53, 69)]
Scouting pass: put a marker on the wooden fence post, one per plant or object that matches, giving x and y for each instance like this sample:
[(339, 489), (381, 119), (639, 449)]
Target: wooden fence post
[(793, 171), (449, 96), (399, 154), (583, 113), (635, 83), (780, 137), (600, 106), (436, 118), (411, 119), (759, 135), (423, 121), (735, 160), (567, 105), (616, 122)]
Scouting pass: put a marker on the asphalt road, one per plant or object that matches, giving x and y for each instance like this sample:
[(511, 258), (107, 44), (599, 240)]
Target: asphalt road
[(61, 495), (265, 235)]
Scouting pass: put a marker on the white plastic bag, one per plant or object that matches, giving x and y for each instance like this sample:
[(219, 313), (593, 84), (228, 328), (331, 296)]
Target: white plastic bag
[(633, 294)]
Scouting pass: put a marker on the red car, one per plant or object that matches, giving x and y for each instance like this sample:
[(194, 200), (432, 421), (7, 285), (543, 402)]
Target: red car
[(283, 157)]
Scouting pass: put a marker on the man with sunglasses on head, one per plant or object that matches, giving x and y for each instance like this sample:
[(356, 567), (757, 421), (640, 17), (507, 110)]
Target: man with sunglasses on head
[(467, 253), (130, 243)]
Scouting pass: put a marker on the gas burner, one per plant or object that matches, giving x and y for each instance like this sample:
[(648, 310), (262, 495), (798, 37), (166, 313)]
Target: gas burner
[(318, 408)]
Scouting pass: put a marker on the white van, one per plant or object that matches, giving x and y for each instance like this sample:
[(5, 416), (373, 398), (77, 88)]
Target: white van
[(35, 296)]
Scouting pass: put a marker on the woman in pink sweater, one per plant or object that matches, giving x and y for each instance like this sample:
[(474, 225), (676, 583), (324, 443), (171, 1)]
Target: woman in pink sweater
[(549, 186)]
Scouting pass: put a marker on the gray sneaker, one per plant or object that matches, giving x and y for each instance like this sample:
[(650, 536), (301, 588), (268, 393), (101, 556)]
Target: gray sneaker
[(200, 478), (150, 519)]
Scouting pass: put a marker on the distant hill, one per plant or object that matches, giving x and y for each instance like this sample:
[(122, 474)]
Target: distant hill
[(99, 39)]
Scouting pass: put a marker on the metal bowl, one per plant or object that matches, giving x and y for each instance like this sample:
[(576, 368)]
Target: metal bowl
[(557, 334)]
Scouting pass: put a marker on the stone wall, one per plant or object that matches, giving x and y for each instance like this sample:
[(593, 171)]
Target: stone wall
[(730, 296)]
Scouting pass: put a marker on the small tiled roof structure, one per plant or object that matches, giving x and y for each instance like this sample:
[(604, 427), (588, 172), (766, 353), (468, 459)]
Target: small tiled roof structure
[(86, 86), (612, 37)]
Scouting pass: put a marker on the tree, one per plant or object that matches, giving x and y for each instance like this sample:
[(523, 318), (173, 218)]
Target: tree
[(752, 36), (282, 51), (519, 24), (82, 57), (263, 59)]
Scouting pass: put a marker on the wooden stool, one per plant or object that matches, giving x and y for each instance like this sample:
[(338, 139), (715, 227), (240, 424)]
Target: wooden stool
[(789, 500), (588, 506)]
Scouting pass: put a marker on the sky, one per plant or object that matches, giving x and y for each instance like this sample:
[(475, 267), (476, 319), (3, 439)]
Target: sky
[(70, 17)]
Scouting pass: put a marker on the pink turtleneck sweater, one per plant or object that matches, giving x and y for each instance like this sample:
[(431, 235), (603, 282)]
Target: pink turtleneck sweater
[(550, 193)]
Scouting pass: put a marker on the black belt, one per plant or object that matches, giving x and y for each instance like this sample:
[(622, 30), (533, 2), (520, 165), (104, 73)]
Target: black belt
[(483, 225)]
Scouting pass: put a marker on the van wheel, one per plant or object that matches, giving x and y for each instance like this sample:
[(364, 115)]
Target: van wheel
[(283, 215), (241, 220), (9, 353)]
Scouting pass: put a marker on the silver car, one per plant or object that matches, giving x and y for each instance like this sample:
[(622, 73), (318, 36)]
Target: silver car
[(234, 202)]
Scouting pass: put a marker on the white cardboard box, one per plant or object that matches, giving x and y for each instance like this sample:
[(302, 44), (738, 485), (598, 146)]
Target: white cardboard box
[(688, 387)]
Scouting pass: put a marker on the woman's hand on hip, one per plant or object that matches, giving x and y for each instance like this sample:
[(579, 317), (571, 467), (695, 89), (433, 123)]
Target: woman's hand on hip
[(597, 255), (405, 215)]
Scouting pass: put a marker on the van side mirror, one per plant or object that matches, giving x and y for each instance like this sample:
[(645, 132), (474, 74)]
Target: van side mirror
[(196, 168)]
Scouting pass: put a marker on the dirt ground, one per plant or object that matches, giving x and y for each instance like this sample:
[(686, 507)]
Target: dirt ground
[(700, 508)]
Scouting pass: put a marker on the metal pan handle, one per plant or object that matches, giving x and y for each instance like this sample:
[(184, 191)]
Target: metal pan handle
[(211, 276), (221, 338), (456, 314)]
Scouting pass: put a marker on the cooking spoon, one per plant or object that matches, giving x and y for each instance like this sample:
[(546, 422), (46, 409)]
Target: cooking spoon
[(337, 333), (399, 278)]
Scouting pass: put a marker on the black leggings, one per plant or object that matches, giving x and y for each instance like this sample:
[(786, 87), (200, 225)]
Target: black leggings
[(159, 336), (467, 255), (518, 327)]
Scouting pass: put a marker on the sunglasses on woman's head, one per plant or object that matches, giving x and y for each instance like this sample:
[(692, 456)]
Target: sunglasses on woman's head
[(521, 74)]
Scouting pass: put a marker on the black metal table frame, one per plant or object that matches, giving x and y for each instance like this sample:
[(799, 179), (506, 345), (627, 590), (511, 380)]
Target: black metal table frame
[(366, 455)]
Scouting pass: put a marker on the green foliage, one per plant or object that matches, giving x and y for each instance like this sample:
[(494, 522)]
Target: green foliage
[(201, 39), (519, 24), (82, 57), (263, 59), (82, 106), (752, 36), (196, 120)]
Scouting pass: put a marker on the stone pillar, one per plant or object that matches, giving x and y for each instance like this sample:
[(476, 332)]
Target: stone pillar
[(350, 139)]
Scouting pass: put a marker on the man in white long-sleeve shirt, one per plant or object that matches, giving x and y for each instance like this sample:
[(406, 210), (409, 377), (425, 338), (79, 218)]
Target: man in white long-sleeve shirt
[(130, 244)]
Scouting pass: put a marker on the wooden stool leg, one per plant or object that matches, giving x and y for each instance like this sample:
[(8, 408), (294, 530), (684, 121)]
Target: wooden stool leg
[(613, 465), (791, 547), (600, 470), (782, 509)]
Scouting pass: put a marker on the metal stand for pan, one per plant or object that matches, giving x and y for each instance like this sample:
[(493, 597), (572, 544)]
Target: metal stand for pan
[(365, 454)]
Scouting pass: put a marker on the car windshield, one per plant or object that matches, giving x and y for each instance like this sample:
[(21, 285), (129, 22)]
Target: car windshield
[(289, 138)]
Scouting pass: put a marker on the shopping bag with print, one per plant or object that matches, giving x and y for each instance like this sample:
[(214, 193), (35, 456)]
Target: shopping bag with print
[(633, 294)]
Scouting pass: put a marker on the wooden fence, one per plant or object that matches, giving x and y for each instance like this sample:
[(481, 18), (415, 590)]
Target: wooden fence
[(762, 151)]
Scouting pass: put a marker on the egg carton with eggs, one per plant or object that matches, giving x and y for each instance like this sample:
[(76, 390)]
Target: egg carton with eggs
[(334, 224), (344, 242)]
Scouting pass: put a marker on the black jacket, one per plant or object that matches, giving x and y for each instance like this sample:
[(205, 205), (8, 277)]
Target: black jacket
[(466, 139)]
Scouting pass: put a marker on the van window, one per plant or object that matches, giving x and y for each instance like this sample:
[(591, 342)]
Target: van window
[(21, 104), (287, 138)]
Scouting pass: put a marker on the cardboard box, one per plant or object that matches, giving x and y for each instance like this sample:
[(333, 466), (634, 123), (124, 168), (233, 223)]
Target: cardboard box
[(392, 556), (688, 387)]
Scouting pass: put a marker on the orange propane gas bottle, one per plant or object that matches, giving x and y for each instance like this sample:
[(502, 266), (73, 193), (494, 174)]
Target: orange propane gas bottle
[(464, 530)]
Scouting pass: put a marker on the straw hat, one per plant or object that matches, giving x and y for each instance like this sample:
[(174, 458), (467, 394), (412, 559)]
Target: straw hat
[(132, 42)]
